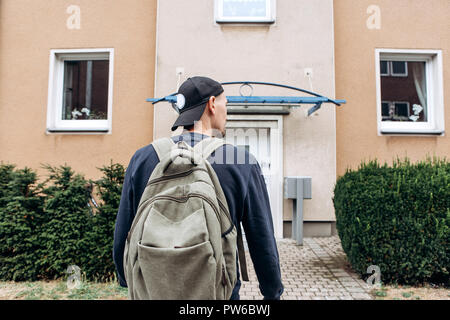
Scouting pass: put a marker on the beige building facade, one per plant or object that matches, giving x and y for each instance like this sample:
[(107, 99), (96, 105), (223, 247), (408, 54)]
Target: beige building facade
[(192, 42), (75, 76), (34, 36), (406, 31)]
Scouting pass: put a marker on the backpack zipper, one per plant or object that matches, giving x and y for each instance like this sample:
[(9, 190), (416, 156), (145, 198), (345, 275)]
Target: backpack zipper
[(183, 174), (174, 176), (135, 221), (178, 199), (223, 207), (214, 208), (224, 279)]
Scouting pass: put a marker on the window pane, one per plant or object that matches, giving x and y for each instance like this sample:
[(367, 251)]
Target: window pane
[(401, 109), (399, 67), (410, 90), (85, 95), (385, 109), (384, 67), (244, 8)]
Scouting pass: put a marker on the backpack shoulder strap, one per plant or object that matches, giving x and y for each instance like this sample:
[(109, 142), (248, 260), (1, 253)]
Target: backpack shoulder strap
[(208, 146), (163, 146), (205, 148)]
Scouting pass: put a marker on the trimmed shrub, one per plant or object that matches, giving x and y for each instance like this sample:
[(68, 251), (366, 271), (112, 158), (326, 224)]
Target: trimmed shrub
[(99, 264), (46, 228), (6, 175), (64, 233), (397, 218), (21, 215)]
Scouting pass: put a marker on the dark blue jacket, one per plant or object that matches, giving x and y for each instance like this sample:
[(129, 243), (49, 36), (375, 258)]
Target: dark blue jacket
[(245, 190)]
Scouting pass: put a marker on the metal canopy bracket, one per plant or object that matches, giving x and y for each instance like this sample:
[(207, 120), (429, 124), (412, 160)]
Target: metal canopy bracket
[(315, 108), (249, 100)]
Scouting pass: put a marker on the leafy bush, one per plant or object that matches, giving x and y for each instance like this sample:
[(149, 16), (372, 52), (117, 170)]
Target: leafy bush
[(99, 264), (64, 234), (47, 227), (21, 214), (6, 175), (397, 218)]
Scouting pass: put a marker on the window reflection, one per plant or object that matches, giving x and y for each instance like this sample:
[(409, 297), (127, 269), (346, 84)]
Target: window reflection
[(85, 95), (403, 91)]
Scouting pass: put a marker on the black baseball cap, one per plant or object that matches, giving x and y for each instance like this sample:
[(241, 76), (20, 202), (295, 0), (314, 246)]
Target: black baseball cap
[(192, 98)]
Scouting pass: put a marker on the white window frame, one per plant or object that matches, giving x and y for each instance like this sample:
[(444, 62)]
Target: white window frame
[(269, 18), (393, 74), (398, 102), (435, 92), (55, 91), (388, 69), (384, 101), (407, 106)]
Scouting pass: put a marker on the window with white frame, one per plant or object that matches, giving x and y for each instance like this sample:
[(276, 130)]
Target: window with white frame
[(409, 91), (399, 111), (394, 68), (384, 68), (245, 11), (80, 90)]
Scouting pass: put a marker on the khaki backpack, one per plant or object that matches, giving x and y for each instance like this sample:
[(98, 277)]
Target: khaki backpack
[(182, 242)]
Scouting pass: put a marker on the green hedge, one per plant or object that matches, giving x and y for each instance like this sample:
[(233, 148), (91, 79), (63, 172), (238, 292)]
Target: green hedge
[(21, 218), (46, 227), (397, 218)]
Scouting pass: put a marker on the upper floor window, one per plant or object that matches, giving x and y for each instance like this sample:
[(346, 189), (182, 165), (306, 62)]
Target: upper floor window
[(80, 90), (245, 11), (409, 91), (394, 68)]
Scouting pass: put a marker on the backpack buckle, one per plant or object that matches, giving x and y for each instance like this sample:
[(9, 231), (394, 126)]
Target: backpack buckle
[(187, 154), (182, 145)]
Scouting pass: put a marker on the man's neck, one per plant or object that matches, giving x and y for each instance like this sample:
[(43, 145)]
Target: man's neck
[(201, 131)]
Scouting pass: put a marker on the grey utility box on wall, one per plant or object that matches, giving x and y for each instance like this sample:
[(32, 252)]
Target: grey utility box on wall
[(297, 188)]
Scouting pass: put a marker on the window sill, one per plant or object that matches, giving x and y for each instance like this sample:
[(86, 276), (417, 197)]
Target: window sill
[(412, 133), (78, 131), (244, 22)]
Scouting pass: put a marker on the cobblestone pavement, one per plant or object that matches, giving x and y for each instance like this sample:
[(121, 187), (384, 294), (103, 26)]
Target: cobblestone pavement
[(318, 270)]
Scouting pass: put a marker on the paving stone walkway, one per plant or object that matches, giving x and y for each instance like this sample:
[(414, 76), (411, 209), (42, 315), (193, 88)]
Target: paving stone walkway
[(318, 270)]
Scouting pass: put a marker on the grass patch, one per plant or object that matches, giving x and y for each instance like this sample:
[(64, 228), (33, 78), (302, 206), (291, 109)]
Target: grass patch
[(407, 294), (399, 292), (380, 293), (58, 290)]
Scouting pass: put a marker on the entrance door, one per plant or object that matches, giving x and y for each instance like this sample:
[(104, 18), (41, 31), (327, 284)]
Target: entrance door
[(261, 135)]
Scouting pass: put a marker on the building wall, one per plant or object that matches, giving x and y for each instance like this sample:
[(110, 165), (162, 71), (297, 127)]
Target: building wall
[(302, 37), (405, 24), (29, 29)]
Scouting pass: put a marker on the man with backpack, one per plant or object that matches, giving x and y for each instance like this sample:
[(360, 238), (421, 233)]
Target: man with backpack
[(177, 233)]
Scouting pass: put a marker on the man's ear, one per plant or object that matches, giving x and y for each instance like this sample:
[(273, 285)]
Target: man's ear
[(211, 104)]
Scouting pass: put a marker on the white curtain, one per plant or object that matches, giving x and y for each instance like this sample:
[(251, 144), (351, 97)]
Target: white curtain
[(419, 76)]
